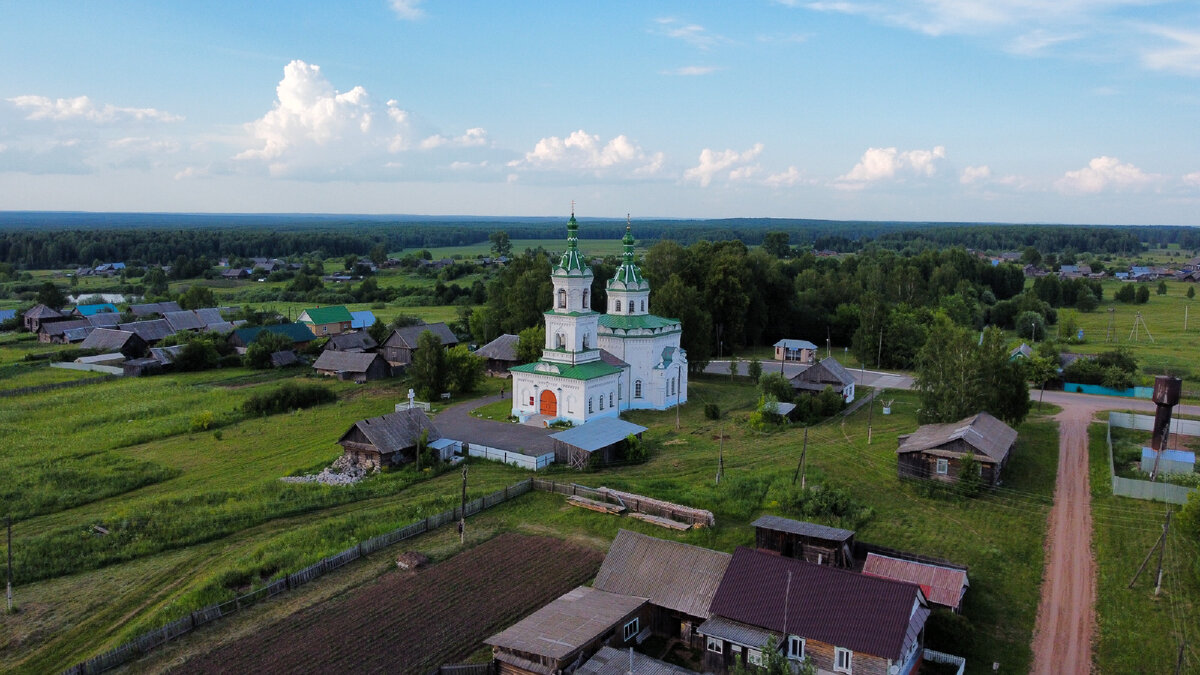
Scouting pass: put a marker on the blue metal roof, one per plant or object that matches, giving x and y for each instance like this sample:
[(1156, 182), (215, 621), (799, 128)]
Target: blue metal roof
[(795, 344), (1171, 455), (362, 319), (88, 310), (596, 434)]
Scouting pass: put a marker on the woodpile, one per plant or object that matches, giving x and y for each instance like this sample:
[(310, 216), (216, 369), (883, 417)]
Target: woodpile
[(594, 505)]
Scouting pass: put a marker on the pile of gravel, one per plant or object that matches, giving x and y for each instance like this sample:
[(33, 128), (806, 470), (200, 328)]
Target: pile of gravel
[(341, 472)]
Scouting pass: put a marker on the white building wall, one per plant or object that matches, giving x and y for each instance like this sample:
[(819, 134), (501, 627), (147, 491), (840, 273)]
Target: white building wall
[(572, 396)]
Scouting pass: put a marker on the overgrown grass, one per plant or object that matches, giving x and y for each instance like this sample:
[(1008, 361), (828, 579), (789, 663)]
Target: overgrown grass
[(1136, 630)]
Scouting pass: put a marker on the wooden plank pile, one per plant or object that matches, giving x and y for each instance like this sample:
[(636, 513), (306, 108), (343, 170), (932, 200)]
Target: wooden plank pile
[(594, 505)]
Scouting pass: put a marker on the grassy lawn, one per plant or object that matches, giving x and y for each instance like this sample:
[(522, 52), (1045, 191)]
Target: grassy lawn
[(1138, 631), (496, 410)]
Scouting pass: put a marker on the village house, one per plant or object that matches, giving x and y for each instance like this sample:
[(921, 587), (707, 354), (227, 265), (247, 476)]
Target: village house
[(198, 320), (99, 308), (388, 440), (815, 543), (399, 347), (943, 585), (799, 351), (679, 580), (936, 451), (1024, 351), (500, 354), (299, 333), (151, 331), (35, 316), (152, 308), (326, 320), (129, 344), (841, 621), (570, 629), (357, 366), (827, 373), (354, 341), (56, 331), (362, 319), (235, 273)]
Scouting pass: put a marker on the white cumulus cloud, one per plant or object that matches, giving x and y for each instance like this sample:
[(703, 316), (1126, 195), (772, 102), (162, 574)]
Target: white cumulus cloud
[(884, 163), (714, 162), (1104, 173), (1192, 178), (408, 10), (785, 179), (83, 108), (474, 137), (974, 174), (690, 71), (583, 151)]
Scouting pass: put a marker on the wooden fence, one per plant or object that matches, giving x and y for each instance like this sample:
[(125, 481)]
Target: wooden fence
[(531, 462), (1133, 487), (146, 642), (632, 502)]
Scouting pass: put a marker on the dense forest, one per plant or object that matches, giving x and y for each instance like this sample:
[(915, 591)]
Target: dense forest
[(58, 240)]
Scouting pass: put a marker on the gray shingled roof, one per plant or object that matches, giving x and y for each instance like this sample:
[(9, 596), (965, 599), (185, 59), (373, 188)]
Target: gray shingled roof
[(981, 431), (569, 622), (674, 575), (104, 320), (349, 362), (53, 328), (733, 631), (184, 320), (155, 308), (795, 344), (150, 331), (503, 348), (395, 431), (409, 335), (802, 528), (352, 341), (826, 372), (105, 339), (41, 312), (286, 357), (210, 315), (77, 334)]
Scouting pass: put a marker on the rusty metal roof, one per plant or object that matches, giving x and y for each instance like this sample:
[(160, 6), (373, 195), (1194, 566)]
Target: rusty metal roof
[(841, 608), (568, 623), (942, 585), (671, 574)]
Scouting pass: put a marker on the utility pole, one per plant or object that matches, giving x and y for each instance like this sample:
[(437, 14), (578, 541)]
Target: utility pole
[(721, 455), (803, 461), (870, 414), (1162, 549), (879, 353), (462, 513), (8, 525), (1179, 660), (1162, 541)]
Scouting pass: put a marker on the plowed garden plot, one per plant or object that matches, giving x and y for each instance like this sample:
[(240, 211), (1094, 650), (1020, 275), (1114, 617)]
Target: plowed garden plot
[(409, 623)]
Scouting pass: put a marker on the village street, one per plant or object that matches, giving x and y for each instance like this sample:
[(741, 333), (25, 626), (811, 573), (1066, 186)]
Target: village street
[(456, 422)]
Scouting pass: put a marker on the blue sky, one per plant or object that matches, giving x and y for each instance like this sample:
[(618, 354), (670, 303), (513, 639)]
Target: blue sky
[(1080, 111)]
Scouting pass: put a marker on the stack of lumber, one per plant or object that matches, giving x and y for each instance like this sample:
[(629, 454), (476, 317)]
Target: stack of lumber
[(594, 505)]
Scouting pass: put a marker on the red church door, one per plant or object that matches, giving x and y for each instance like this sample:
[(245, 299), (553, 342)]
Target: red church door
[(549, 405)]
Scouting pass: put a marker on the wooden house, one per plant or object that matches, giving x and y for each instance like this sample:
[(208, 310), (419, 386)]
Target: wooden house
[(840, 621), (299, 333), (56, 331), (357, 366), (567, 631), (815, 543), (827, 373), (400, 345), (388, 440), (603, 438), (154, 308), (799, 351), (678, 579), (354, 341), (38, 314), (501, 354), (935, 451), (130, 345), (151, 331), (98, 308), (944, 585), (325, 321)]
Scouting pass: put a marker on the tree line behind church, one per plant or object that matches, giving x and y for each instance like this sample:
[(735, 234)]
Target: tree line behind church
[(730, 297)]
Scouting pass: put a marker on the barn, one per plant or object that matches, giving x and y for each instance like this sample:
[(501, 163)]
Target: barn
[(827, 373), (353, 341), (106, 340), (400, 345), (357, 366), (936, 451), (943, 584), (501, 354), (388, 440), (805, 541)]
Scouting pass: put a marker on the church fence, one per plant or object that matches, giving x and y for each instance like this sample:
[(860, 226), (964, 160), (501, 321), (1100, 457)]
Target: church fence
[(531, 462)]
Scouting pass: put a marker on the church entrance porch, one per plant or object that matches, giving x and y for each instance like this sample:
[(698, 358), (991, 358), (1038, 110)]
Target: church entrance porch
[(549, 404)]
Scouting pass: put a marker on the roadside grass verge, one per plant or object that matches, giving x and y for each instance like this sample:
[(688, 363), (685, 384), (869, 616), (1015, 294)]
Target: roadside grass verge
[(499, 410), (1136, 630)]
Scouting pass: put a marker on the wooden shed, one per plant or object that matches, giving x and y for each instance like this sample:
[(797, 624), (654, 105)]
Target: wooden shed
[(357, 366), (815, 543), (827, 373), (107, 340), (501, 354), (38, 314), (388, 440), (400, 345), (936, 451), (603, 438), (352, 341)]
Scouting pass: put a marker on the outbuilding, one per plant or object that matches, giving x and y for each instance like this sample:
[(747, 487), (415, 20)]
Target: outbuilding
[(603, 438), (388, 440), (501, 354), (828, 373), (357, 366), (108, 340), (799, 351), (399, 347), (802, 540)]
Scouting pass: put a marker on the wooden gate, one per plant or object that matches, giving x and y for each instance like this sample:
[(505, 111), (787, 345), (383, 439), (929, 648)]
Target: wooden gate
[(549, 404)]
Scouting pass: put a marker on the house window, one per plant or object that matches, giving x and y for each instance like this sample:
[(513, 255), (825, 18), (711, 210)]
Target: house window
[(795, 647), (754, 657), (841, 660), (631, 630), (716, 646), (637, 389), (943, 466), (618, 305), (562, 298)]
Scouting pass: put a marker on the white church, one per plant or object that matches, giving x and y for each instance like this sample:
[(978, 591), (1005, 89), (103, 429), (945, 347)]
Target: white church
[(596, 365)]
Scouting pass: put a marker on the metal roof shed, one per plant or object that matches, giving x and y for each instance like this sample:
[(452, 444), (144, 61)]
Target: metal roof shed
[(605, 436)]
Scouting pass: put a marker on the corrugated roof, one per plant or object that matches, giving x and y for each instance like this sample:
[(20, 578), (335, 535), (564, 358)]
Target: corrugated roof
[(671, 574), (106, 339), (210, 315), (636, 321), (733, 631), (286, 357), (101, 308), (795, 344), (362, 319), (41, 312), (150, 331), (583, 371), (569, 622), (77, 334), (837, 607), (298, 332), (802, 528), (503, 348), (826, 371), (104, 320), (359, 341), (598, 433), (395, 431), (222, 327), (943, 585), (155, 308), (165, 355), (410, 335), (610, 661), (349, 362), (334, 314), (59, 327), (981, 431), (184, 320)]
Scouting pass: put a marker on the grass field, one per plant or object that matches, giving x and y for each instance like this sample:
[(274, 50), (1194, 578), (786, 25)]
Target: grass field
[(1136, 630)]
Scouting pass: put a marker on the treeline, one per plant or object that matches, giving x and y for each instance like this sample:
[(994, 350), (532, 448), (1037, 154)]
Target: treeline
[(1044, 238)]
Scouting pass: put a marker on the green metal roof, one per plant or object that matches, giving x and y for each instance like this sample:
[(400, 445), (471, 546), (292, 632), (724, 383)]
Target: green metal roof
[(334, 314), (581, 371), (572, 263), (631, 322), (628, 273)]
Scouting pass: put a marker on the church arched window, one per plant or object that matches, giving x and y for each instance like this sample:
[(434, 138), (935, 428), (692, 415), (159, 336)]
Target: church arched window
[(585, 299), (589, 404), (562, 298), (560, 341), (637, 389), (643, 305), (618, 305), (631, 307), (585, 340), (610, 399)]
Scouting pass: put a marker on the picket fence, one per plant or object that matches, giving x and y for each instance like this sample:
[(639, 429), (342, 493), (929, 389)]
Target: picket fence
[(146, 642), (1133, 487)]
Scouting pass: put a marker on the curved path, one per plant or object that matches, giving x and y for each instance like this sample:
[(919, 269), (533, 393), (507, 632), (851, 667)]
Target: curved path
[(457, 422)]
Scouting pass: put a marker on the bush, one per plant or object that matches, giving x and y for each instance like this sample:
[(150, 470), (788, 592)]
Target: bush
[(636, 451), (949, 632), (201, 421), (826, 502), (290, 396), (712, 411)]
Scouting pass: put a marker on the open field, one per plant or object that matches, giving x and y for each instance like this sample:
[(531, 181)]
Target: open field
[(1138, 631), (442, 612)]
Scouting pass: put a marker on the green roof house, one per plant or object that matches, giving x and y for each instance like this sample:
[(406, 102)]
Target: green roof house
[(325, 321)]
